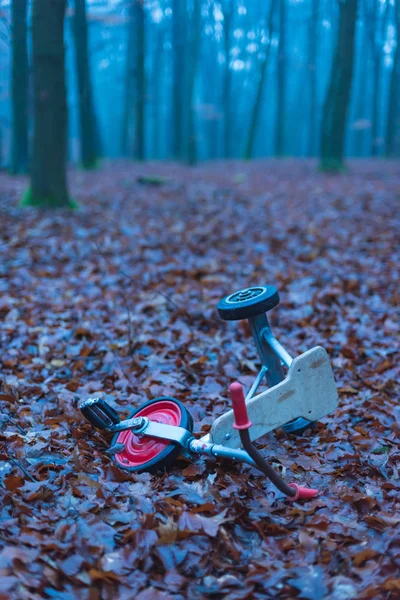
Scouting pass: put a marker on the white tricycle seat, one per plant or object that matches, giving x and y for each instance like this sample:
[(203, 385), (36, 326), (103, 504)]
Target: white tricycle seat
[(308, 391)]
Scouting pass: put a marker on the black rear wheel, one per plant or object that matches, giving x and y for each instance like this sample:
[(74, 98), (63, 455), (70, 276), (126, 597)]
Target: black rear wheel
[(248, 303)]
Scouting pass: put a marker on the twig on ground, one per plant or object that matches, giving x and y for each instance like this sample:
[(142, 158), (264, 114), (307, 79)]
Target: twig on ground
[(18, 464)]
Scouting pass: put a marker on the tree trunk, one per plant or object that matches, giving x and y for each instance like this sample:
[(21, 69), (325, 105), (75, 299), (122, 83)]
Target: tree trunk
[(126, 131), (19, 89), (213, 120), (376, 24), (133, 119), (312, 66), (257, 104), (281, 82), (227, 9), (48, 178), (372, 25), (178, 77), (140, 95), (393, 121), (375, 143), (87, 119), (361, 95), (194, 54), (338, 95), (157, 99)]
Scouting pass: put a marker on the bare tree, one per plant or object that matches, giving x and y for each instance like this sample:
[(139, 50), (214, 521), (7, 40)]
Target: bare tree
[(194, 56), (133, 121), (178, 77), (87, 119), (19, 88), (156, 87), (48, 173), (312, 67), (227, 10), (126, 131), (140, 95), (393, 121), (255, 115), (336, 104), (281, 82), (376, 20)]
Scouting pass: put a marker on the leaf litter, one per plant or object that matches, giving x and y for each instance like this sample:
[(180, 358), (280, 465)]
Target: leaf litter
[(119, 298)]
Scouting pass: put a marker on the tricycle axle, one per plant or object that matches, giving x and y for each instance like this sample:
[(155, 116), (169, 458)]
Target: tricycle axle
[(142, 426)]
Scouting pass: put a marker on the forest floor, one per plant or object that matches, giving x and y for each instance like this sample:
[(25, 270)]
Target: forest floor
[(120, 297)]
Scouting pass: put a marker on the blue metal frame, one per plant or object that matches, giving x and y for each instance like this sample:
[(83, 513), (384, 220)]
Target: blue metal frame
[(273, 358)]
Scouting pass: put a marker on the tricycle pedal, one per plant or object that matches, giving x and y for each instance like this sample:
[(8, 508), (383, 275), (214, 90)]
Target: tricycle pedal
[(99, 413)]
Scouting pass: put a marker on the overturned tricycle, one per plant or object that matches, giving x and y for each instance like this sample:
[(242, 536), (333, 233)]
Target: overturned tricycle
[(301, 391)]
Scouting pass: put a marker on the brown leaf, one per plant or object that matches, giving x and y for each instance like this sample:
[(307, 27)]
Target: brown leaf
[(362, 557), (72, 386), (392, 584), (14, 482)]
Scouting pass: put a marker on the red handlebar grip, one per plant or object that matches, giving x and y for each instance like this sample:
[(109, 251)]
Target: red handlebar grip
[(302, 493), (239, 406)]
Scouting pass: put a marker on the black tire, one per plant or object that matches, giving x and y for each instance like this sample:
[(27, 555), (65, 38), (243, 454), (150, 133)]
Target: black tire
[(248, 303), (165, 459)]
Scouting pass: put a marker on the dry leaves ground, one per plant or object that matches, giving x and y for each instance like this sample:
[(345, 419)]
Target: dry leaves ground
[(120, 297)]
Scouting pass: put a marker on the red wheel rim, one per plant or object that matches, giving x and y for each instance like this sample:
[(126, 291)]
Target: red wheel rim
[(140, 450)]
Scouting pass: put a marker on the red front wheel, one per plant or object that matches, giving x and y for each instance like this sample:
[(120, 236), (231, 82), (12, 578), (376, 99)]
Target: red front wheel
[(143, 453)]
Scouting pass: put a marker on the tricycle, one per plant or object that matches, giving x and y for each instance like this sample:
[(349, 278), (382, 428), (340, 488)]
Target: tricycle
[(300, 391)]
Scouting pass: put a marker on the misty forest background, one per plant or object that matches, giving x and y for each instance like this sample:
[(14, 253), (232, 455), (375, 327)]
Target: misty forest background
[(194, 80)]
